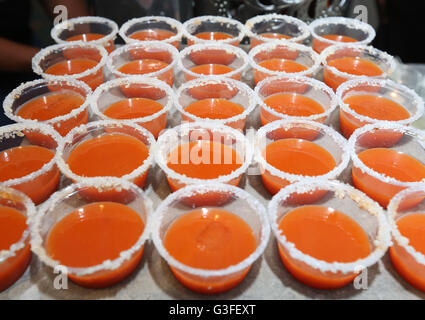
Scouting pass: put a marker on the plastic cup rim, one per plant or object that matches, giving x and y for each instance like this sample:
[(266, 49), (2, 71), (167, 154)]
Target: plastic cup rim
[(304, 29), (292, 178), (54, 33), (134, 79), (213, 46), (187, 127), (57, 197), (259, 209), (341, 190), (8, 101), (218, 80), (382, 125), (319, 85), (172, 22), (84, 128), (58, 47)]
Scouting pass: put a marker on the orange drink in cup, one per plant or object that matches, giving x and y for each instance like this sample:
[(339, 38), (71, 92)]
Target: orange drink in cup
[(108, 148), (150, 28), (364, 101), (283, 59), (27, 159), (62, 104), (283, 97), (210, 249), (406, 213), (144, 100), (216, 100), (213, 29), (153, 59), (335, 30), (16, 209), (326, 244), (294, 150), (347, 62), (72, 61), (99, 242), (272, 27), (208, 59), (96, 30), (202, 152), (387, 158)]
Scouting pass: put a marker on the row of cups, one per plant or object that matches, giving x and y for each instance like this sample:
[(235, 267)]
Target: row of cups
[(96, 103), (256, 29), (235, 63)]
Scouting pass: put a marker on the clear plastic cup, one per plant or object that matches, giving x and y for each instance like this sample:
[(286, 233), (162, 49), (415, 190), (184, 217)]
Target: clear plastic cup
[(271, 27), (398, 142), (283, 51), (334, 77), (205, 24), (318, 273), (240, 203), (72, 198), (38, 89), (39, 184), (152, 25), (96, 30), (15, 260), (102, 128), (186, 133), (150, 51), (405, 256), (301, 132), (121, 90), (295, 87), (208, 59), (216, 90), (350, 120), (68, 55), (362, 33)]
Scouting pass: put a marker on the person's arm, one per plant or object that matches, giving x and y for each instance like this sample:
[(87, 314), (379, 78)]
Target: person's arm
[(76, 8), (15, 56)]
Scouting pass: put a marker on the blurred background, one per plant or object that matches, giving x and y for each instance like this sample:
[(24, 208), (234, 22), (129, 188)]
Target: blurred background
[(25, 24)]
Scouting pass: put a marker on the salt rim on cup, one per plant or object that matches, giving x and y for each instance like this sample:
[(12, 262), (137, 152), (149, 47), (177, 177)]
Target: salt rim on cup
[(172, 22), (67, 24), (30, 213), (18, 129), (17, 92), (36, 60), (194, 22), (313, 125), (230, 83), (383, 125), (83, 129), (107, 183), (349, 22), (185, 128), (229, 49), (205, 188), (143, 44), (302, 26), (341, 190), (126, 82), (401, 240), (350, 84), (371, 51), (319, 85), (315, 57)]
